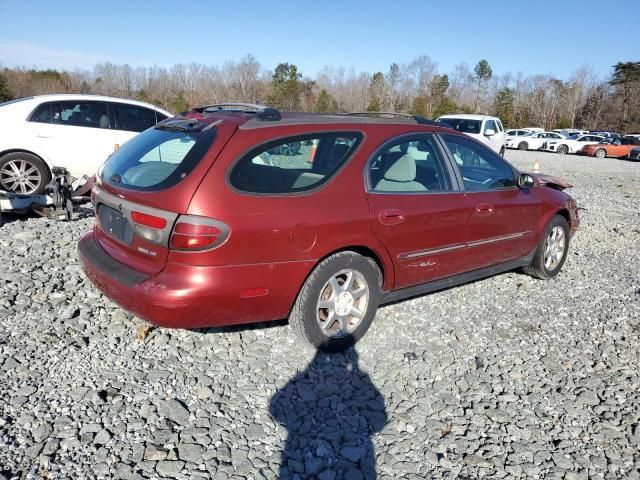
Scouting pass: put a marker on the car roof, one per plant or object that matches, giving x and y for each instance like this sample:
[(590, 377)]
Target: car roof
[(250, 116), (469, 116), (74, 97)]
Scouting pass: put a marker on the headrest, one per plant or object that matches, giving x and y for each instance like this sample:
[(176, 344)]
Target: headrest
[(402, 170)]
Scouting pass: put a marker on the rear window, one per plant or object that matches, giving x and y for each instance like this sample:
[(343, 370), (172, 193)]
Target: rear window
[(294, 164), (462, 124), (157, 158)]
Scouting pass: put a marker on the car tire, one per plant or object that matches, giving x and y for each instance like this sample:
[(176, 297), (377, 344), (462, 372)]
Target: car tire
[(563, 149), (322, 314), (502, 150), (551, 251), (34, 170), (523, 146), (600, 153)]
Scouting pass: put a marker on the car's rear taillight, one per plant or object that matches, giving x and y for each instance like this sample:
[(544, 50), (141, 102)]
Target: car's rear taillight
[(193, 233), (149, 227)]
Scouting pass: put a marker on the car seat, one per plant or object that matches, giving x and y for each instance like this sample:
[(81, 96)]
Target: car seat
[(400, 177)]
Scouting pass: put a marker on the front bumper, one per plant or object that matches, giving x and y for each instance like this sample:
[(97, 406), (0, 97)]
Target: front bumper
[(185, 296)]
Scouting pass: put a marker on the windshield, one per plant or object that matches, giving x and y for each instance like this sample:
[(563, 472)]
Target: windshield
[(462, 124), (158, 158)]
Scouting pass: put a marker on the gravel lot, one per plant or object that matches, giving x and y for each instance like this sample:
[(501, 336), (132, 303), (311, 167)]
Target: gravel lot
[(505, 377)]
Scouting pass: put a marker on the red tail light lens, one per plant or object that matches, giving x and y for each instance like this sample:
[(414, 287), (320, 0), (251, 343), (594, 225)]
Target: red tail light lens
[(192, 233), (148, 220)]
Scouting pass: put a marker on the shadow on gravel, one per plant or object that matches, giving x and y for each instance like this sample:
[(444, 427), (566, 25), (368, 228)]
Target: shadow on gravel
[(330, 411)]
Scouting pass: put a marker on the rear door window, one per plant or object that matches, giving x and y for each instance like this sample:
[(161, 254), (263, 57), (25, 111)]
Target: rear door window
[(133, 118), (158, 158), (42, 114), (294, 164)]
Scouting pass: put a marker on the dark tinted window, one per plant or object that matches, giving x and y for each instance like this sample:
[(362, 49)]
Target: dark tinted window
[(42, 114), (412, 164), (294, 164), (132, 118), (160, 117), (490, 125), (462, 125), (480, 167), (157, 158), (81, 114)]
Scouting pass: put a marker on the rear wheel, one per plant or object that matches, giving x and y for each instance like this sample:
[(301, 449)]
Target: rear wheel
[(523, 146), (502, 152), (338, 302), (23, 173), (563, 149), (552, 249), (601, 153)]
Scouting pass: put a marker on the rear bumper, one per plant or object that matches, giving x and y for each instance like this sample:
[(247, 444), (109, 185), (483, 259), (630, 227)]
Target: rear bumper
[(185, 296)]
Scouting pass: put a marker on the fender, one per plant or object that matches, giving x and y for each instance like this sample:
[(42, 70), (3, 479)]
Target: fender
[(28, 149)]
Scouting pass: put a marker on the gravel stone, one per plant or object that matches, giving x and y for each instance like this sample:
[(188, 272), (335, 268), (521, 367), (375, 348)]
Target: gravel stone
[(506, 377)]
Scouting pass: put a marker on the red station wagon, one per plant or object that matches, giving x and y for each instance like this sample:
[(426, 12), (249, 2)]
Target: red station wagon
[(237, 213)]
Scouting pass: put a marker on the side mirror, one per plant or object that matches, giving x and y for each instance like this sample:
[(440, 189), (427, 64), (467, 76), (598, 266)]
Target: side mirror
[(526, 181), (489, 132)]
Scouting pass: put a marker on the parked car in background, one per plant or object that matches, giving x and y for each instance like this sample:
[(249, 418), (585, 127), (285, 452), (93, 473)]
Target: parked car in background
[(534, 129), (488, 130), (634, 154), (572, 144), (212, 235), (637, 135), (516, 132), (619, 147), (533, 141), (568, 132), (77, 132)]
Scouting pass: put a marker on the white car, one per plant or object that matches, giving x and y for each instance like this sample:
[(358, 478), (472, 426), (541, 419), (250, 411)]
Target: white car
[(533, 141), (488, 130), (572, 144), (517, 132), (77, 132)]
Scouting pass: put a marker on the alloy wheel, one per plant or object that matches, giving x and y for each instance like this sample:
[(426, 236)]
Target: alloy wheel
[(20, 176), (343, 303), (554, 248)]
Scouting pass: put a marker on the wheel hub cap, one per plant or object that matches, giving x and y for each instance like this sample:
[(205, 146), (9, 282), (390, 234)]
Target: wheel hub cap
[(342, 304)]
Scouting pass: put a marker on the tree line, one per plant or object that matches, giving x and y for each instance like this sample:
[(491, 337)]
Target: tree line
[(581, 101)]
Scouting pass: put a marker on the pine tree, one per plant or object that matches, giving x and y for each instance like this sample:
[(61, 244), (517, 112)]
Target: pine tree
[(325, 103), (483, 73), (5, 93), (285, 88)]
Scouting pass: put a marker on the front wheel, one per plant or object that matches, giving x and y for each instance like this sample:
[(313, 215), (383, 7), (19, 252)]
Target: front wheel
[(563, 149), (337, 302), (552, 249), (601, 153), (523, 146)]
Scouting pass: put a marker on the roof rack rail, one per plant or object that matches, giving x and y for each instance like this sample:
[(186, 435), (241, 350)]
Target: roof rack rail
[(262, 112), (433, 123), (380, 114), (419, 119)]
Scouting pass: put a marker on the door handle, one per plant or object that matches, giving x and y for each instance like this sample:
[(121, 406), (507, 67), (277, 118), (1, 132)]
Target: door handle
[(391, 216), (483, 209)]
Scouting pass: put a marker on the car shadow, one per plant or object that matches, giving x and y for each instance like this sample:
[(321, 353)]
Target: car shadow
[(330, 410)]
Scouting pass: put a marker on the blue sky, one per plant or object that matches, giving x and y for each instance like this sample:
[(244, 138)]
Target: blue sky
[(550, 37)]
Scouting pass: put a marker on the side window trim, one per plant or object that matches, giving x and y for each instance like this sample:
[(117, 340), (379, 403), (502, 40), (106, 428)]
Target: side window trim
[(452, 161), (456, 183)]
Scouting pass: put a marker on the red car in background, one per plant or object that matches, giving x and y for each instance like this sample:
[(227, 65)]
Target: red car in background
[(619, 147), (220, 217)]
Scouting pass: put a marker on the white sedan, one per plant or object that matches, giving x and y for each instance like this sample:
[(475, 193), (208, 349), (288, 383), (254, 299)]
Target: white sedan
[(571, 144), (77, 132), (533, 140)]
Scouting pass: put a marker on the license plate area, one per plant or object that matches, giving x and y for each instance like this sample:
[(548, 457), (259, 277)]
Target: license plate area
[(115, 224)]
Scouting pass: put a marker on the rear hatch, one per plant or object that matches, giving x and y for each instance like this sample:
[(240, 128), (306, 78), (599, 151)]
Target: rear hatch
[(146, 185)]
